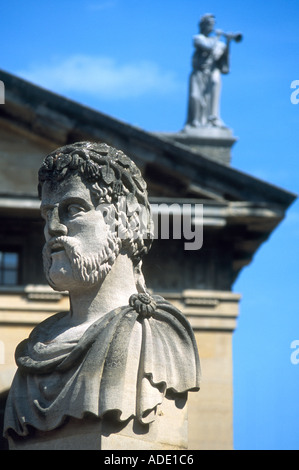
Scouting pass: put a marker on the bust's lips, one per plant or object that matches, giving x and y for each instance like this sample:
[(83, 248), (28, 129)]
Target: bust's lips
[(56, 247)]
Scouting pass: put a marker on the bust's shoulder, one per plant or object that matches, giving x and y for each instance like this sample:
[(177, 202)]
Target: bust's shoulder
[(155, 306), (51, 325)]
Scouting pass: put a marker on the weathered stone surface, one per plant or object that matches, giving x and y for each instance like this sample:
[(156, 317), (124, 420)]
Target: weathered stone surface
[(212, 142), (168, 431), (119, 351)]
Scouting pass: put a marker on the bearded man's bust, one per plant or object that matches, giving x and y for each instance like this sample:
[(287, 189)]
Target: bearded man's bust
[(121, 360)]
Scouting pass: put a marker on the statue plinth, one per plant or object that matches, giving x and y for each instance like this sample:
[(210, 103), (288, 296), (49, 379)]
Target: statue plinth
[(204, 131), (169, 431), (211, 142)]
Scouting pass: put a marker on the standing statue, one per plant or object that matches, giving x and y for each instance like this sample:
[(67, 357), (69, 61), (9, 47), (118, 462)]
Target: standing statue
[(210, 59), (119, 353)]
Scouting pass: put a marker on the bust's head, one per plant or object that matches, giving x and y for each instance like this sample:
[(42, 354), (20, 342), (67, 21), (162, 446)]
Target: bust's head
[(95, 205)]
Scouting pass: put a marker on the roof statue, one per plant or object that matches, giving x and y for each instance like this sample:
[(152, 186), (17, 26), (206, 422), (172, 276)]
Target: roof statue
[(204, 132), (210, 60)]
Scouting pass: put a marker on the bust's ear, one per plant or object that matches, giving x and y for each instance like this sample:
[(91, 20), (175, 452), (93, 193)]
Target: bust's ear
[(110, 214), (139, 278)]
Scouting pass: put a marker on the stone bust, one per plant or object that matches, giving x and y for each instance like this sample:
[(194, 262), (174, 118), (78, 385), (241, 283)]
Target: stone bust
[(118, 349)]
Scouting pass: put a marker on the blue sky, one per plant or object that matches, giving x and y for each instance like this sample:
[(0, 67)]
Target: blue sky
[(131, 60)]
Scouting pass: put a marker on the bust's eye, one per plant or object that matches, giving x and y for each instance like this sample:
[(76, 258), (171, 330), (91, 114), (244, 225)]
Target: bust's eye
[(74, 209)]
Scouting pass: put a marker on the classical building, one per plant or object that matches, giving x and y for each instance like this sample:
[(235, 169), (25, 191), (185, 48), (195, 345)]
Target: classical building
[(239, 214)]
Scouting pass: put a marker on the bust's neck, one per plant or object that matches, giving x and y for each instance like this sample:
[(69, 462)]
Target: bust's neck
[(91, 303)]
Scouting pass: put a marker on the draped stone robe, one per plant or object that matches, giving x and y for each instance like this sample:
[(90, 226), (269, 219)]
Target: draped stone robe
[(126, 362)]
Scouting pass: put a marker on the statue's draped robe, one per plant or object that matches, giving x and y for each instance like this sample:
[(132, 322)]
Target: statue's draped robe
[(124, 362), (209, 59)]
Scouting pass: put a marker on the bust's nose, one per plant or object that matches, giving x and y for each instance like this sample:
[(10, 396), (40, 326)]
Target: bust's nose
[(54, 226)]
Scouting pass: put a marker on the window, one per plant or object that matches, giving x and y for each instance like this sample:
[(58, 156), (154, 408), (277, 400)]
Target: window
[(9, 268)]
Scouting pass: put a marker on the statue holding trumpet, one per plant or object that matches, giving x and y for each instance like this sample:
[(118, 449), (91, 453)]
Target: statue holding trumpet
[(210, 59)]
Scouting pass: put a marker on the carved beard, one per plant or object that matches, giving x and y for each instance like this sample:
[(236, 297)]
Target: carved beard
[(87, 269)]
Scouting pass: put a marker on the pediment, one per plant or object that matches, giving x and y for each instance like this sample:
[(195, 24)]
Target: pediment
[(34, 121), (20, 157)]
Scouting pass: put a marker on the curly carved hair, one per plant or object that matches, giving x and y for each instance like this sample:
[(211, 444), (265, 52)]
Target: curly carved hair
[(112, 177)]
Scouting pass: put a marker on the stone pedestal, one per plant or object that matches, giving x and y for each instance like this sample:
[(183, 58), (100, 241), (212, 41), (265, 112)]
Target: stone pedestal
[(211, 142), (169, 431), (213, 316)]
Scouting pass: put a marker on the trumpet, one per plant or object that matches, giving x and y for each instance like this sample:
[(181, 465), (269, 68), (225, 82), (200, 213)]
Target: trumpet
[(231, 36)]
